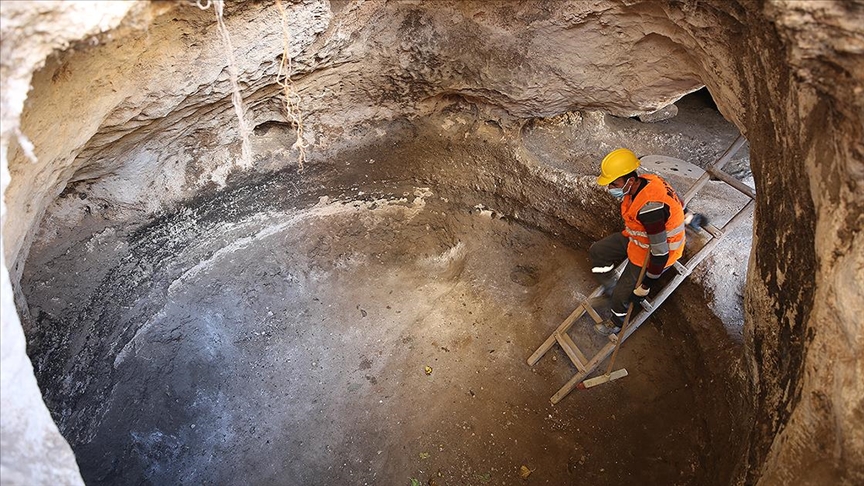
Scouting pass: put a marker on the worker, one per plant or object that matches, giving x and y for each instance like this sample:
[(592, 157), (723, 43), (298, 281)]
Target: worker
[(654, 222)]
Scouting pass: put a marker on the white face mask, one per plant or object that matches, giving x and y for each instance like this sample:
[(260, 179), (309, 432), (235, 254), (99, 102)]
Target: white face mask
[(618, 192)]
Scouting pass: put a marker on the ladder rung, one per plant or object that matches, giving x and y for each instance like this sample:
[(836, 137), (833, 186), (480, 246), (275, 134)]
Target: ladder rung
[(572, 350), (713, 230), (681, 269), (593, 313), (550, 341)]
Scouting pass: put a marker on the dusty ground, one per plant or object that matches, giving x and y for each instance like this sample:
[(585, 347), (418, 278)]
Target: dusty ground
[(272, 335)]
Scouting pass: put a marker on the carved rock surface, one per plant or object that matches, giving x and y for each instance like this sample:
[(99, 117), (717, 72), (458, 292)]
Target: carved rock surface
[(121, 114), (664, 113)]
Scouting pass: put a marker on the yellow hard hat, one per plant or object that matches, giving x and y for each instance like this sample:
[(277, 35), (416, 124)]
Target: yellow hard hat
[(617, 163)]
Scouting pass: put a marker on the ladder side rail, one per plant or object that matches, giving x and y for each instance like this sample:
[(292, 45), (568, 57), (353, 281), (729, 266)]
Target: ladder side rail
[(580, 377), (739, 216), (664, 293), (706, 250), (696, 259), (691, 193), (714, 169), (608, 349), (713, 230), (646, 313), (730, 152)]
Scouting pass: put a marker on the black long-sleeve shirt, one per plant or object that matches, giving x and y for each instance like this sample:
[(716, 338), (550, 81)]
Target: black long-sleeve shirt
[(653, 216)]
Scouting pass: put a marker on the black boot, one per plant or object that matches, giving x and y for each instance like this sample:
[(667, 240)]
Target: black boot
[(609, 326)]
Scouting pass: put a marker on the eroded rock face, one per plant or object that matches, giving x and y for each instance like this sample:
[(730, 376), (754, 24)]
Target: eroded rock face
[(118, 125), (371, 62)]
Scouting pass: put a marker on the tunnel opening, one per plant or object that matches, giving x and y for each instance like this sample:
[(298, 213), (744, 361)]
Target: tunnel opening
[(368, 319)]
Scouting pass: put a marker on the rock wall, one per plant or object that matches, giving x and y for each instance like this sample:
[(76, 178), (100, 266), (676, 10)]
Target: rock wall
[(33, 451), (121, 118), (805, 292)]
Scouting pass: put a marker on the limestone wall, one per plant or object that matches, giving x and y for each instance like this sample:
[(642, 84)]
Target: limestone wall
[(123, 114)]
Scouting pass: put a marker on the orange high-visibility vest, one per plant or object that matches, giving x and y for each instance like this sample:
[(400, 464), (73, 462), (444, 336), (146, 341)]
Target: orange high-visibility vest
[(660, 191)]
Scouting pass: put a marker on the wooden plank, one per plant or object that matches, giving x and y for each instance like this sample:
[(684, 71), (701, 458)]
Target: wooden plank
[(565, 326), (579, 377), (550, 341), (709, 247), (572, 350), (605, 378), (593, 313), (542, 350), (607, 350), (739, 217), (730, 152)]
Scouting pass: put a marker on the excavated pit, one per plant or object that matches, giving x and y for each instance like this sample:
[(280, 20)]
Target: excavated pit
[(451, 153), (277, 331)]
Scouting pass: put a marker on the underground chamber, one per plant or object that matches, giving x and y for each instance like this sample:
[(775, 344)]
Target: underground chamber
[(368, 320), (204, 302)]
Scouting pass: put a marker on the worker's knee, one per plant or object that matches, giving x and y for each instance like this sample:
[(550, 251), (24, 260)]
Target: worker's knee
[(608, 251), (601, 260), (597, 253), (592, 253)]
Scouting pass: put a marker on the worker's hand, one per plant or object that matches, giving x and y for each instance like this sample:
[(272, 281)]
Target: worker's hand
[(639, 294)]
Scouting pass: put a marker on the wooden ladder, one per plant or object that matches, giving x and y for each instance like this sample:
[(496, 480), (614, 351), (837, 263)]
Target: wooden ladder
[(561, 335)]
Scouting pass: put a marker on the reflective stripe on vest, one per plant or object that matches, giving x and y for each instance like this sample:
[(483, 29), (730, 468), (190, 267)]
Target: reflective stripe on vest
[(673, 245), (656, 190), (674, 231)]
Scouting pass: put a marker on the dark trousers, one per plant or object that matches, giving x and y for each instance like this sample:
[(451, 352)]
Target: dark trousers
[(605, 255)]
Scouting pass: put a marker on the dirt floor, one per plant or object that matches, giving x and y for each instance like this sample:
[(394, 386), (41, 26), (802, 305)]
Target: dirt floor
[(363, 335)]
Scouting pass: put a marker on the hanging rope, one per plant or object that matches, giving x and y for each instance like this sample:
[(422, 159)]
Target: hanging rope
[(292, 98), (236, 98), (283, 79)]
